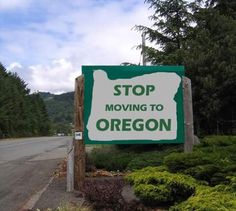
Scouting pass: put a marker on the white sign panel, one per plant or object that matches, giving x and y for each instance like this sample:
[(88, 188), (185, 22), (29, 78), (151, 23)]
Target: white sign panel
[(138, 108)]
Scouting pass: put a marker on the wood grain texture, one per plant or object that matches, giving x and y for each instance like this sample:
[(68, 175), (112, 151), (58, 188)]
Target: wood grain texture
[(79, 146)]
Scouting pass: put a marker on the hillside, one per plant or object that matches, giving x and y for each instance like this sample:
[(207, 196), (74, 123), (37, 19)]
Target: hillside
[(60, 110)]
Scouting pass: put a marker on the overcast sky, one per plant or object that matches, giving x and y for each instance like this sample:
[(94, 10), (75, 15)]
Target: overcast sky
[(47, 41)]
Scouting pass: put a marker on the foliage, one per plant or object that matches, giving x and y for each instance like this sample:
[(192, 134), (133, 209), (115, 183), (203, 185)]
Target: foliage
[(140, 148), (213, 141), (210, 64), (202, 36), (156, 186), (21, 113), (146, 159), (106, 194), (61, 128), (68, 207), (179, 178), (59, 107), (151, 158), (132, 158), (212, 161), (182, 161), (60, 110), (210, 199), (103, 195), (172, 20), (110, 158)]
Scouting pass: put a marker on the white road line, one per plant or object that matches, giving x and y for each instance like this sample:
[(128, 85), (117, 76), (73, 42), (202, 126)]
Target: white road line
[(33, 200)]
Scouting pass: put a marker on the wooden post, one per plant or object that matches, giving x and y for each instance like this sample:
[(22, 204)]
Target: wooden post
[(188, 115), (79, 147)]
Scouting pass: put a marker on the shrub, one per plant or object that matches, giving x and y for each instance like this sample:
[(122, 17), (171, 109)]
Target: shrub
[(113, 158), (68, 207), (202, 172), (182, 161), (146, 159), (104, 193), (212, 161), (217, 141), (150, 158), (156, 186), (208, 199), (219, 178), (140, 148), (110, 158), (232, 184)]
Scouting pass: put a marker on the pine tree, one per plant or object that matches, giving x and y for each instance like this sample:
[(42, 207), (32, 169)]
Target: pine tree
[(211, 66), (21, 113), (202, 36), (172, 21)]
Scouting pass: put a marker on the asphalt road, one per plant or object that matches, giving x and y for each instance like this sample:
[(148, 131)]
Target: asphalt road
[(26, 166)]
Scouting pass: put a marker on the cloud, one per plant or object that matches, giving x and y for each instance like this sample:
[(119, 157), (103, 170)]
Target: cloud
[(13, 66), (56, 77), (53, 48), (13, 4)]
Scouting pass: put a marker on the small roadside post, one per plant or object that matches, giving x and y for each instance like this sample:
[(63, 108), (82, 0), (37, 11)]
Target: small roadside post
[(70, 167)]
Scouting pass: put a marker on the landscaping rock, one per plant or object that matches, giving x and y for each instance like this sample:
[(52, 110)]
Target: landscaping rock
[(128, 194)]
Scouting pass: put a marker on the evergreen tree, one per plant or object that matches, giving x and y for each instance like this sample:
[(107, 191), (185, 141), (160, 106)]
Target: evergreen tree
[(202, 36), (211, 65), (21, 113), (172, 21)]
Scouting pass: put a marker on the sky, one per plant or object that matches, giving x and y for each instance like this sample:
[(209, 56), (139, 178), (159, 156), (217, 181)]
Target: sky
[(47, 41)]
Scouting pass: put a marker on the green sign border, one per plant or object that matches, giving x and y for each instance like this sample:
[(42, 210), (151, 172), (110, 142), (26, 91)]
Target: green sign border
[(126, 72)]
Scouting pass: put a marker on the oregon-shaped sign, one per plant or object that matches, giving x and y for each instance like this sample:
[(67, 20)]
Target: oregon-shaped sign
[(133, 104)]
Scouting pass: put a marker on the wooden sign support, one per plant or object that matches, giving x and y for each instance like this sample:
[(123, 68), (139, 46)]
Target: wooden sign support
[(188, 115), (79, 146)]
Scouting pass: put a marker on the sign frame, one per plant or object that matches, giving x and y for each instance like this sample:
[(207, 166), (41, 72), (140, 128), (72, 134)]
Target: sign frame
[(128, 72)]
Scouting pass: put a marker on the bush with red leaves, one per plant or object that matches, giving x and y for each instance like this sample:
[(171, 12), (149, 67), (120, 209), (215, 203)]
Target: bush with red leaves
[(105, 194)]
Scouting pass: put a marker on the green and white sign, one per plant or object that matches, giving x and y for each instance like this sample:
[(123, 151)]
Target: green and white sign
[(133, 104)]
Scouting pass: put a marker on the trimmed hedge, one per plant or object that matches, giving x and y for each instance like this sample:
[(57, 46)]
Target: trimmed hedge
[(177, 162), (156, 186), (212, 161), (208, 199), (146, 159), (110, 159), (217, 141), (113, 159)]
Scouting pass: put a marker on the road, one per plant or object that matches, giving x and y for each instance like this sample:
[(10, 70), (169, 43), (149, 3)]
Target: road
[(26, 166)]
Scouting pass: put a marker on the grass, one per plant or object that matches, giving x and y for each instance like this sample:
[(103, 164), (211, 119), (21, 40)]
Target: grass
[(68, 207)]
